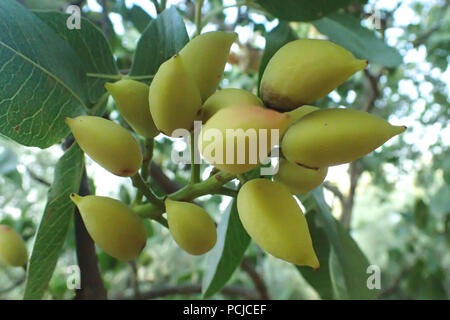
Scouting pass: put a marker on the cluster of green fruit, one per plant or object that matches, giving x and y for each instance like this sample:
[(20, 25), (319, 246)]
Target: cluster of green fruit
[(184, 90)]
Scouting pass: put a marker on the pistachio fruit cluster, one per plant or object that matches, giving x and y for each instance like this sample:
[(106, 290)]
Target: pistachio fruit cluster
[(239, 132)]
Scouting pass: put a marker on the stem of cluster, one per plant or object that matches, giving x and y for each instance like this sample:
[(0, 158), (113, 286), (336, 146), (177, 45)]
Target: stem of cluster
[(99, 103), (218, 10), (139, 183), (119, 76), (198, 16), (148, 155), (104, 76), (212, 185), (195, 167)]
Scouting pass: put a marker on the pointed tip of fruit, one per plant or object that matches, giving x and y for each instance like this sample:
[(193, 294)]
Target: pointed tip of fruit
[(68, 120), (361, 64), (108, 85), (75, 198), (398, 129)]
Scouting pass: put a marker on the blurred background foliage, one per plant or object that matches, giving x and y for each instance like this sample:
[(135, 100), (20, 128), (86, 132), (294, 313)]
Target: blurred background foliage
[(395, 201)]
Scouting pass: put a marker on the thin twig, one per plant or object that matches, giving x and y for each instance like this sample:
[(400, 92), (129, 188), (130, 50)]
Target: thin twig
[(193, 289), (256, 278), (92, 287), (159, 177), (12, 286), (374, 93), (395, 283), (139, 183), (37, 178), (335, 190), (135, 280)]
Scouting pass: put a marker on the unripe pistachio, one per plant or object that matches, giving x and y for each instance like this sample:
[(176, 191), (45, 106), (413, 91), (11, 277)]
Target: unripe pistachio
[(237, 139), (174, 98), (191, 226), (131, 99), (113, 226), (228, 98), (13, 251), (300, 112), (335, 136), (107, 143), (274, 220), (298, 179), (205, 57), (305, 70)]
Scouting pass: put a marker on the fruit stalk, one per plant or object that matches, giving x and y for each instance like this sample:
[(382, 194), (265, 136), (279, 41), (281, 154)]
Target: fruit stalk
[(139, 183), (212, 185), (198, 16), (148, 156), (195, 167)]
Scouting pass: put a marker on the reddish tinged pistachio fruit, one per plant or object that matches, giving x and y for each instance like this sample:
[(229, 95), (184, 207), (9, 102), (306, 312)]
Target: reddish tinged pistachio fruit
[(305, 70)]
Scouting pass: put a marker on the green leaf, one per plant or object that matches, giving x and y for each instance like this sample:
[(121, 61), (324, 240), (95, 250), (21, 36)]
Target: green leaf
[(89, 44), (42, 80), (421, 214), (351, 259), (46, 4), (275, 39), (225, 257), (302, 10), (319, 279), (138, 16), (347, 31), (337, 280), (55, 222), (164, 37)]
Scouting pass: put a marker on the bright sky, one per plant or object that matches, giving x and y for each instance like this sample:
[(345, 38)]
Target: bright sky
[(423, 137)]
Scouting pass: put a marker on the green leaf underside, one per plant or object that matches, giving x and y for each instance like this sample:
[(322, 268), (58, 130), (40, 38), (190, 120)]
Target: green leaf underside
[(55, 223), (352, 261), (346, 30), (42, 80), (226, 256), (89, 44), (302, 10), (319, 279), (164, 37)]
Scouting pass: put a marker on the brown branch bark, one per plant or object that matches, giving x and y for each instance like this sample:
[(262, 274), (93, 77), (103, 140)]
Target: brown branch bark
[(135, 280), (12, 286), (106, 25), (374, 93), (395, 284), (92, 287), (335, 190), (193, 289), (167, 185), (347, 208), (37, 178), (256, 278)]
